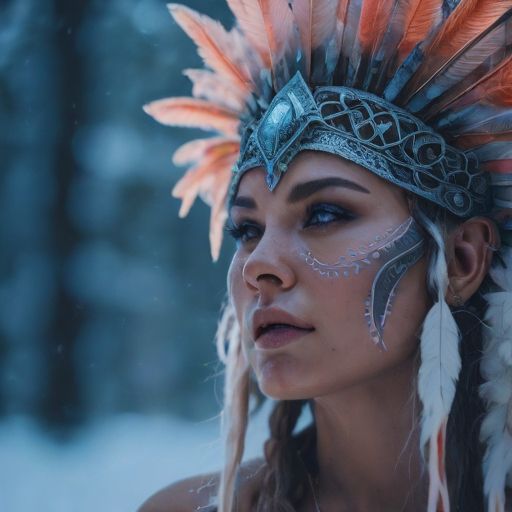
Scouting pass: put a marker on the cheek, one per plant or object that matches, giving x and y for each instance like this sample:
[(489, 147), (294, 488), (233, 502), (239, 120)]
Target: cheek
[(341, 352)]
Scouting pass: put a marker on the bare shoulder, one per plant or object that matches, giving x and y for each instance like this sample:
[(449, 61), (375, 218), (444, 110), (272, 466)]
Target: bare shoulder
[(199, 491)]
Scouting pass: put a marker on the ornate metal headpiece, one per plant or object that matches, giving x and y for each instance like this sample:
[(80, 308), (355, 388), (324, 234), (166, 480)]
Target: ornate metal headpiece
[(369, 131)]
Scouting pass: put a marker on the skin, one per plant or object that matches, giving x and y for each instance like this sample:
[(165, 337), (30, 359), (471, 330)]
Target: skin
[(362, 395), (266, 271), (366, 408)]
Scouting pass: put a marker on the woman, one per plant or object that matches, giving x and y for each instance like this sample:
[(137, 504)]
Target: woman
[(369, 202)]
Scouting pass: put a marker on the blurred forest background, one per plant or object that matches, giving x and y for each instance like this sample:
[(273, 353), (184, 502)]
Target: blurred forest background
[(109, 302)]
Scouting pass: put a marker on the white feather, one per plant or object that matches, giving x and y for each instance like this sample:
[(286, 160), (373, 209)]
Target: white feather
[(440, 367), (439, 372), (496, 369), (502, 275)]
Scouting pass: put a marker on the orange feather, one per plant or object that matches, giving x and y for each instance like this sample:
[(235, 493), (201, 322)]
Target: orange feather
[(278, 20), (218, 216), (422, 16), (373, 21), (316, 21), (198, 179), (213, 159), (194, 113), (212, 87), (250, 20), (303, 13), (498, 166), (497, 89), (467, 22), (473, 140), (492, 89), (324, 21), (219, 49), (194, 150)]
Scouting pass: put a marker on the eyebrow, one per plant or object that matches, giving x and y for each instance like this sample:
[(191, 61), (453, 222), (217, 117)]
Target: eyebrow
[(302, 191)]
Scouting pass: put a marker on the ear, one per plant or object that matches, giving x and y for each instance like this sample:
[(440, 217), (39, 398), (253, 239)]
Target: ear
[(469, 251)]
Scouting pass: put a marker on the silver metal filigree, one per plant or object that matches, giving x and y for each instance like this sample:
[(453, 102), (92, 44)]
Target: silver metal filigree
[(369, 131)]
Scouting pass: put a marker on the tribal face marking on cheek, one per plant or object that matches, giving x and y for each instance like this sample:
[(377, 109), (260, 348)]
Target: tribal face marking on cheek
[(396, 251)]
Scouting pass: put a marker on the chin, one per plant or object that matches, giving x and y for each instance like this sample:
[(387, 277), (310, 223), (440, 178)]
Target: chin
[(280, 377)]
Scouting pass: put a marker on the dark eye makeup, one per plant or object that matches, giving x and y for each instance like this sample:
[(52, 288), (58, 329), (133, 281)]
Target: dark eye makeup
[(317, 215)]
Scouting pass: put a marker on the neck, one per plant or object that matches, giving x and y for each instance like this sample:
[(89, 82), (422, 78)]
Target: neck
[(367, 445)]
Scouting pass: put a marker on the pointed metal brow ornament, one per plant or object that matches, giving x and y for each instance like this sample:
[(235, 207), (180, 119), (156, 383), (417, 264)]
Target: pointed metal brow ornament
[(274, 140), (367, 130)]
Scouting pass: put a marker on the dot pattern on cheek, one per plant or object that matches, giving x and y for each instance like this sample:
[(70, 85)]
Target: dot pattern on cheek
[(397, 251), (355, 259)]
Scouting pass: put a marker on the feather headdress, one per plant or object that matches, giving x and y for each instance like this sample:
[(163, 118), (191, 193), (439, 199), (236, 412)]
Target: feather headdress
[(448, 63)]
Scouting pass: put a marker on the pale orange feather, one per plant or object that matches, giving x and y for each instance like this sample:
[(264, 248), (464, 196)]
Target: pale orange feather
[(278, 20), (467, 22), (250, 20), (197, 181), (303, 14), (373, 22), (214, 158), (219, 213), (219, 49), (213, 87), (194, 150), (196, 113), (421, 18)]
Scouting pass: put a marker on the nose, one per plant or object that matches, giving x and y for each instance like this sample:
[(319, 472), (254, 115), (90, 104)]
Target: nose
[(269, 267)]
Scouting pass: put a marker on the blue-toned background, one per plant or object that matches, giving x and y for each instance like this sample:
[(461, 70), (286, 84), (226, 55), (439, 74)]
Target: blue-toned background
[(109, 380)]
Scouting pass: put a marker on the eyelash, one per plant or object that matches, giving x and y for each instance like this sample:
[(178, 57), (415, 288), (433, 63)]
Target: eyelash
[(240, 233)]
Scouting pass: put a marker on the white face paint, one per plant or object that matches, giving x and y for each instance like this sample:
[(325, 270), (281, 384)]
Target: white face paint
[(395, 251)]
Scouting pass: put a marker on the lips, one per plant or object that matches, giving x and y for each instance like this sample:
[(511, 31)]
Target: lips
[(273, 326)]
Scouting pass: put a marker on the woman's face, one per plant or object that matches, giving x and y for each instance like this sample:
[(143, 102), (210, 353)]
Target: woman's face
[(317, 340)]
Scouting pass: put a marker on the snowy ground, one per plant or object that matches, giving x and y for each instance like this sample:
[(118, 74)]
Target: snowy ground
[(112, 466)]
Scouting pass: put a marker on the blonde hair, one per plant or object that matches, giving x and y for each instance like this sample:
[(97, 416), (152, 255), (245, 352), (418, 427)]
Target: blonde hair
[(236, 404)]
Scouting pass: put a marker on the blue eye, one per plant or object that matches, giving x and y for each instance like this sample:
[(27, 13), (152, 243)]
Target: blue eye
[(244, 232), (323, 214)]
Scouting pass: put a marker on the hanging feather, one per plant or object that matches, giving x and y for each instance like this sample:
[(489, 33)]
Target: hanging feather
[(440, 367), (191, 112), (438, 375), (496, 368), (219, 49), (250, 20)]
